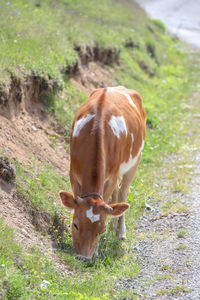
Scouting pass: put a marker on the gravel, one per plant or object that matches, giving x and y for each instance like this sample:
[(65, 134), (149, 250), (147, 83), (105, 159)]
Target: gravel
[(170, 265)]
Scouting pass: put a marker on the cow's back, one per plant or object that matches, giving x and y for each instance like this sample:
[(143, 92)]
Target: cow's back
[(109, 127)]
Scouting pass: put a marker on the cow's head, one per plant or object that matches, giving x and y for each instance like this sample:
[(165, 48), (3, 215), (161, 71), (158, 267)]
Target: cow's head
[(89, 220)]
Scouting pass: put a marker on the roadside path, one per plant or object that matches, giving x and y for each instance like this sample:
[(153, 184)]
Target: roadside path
[(169, 250), (170, 265), (168, 244), (181, 17)]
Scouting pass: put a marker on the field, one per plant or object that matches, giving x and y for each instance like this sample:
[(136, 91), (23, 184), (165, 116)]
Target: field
[(52, 55)]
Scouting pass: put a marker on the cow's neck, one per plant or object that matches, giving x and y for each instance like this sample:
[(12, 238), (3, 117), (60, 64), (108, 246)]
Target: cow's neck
[(93, 175)]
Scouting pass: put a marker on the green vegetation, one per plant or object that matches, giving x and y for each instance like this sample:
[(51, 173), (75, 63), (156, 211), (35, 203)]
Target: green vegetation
[(163, 276), (33, 275), (165, 268), (181, 247), (65, 104), (39, 37), (159, 24), (174, 205), (181, 233), (40, 185), (174, 291)]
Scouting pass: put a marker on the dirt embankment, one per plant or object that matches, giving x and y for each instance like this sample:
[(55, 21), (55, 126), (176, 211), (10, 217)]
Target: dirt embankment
[(26, 128), (93, 68), (26, 133)]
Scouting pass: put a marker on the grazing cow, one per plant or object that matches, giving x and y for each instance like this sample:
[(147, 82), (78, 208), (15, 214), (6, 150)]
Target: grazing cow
[(107, 139)]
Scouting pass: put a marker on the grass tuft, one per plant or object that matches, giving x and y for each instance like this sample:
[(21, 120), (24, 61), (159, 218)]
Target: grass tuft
[(181, 233), (181, 247)]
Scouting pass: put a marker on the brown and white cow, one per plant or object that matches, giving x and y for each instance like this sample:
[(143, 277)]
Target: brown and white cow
[(107, 139)]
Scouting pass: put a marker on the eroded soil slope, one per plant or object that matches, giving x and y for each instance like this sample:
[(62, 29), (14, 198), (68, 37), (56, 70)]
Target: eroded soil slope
[(25, 127), (28, 133)]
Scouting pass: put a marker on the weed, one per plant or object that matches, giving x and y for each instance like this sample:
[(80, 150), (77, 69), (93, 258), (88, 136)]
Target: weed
[(163, 292), (53, 142), (181, 247), (174, 291), (181, 233), (174, 205), (179, 289), (159, 24), (165, 268), (162, 276)]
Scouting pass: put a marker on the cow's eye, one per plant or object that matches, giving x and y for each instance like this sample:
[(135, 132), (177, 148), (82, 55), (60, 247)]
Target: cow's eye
[(75, 226)]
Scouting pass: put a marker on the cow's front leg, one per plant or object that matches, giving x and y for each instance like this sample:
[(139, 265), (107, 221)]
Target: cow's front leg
[(114, 221), (111, 189)]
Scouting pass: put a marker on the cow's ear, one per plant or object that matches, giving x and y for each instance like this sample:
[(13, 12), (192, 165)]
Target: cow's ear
[(117, 209), (68, 199)]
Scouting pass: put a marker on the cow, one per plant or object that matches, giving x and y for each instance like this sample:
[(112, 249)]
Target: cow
[(107, 139)]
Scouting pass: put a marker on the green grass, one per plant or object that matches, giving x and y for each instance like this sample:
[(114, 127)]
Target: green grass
[(165, 268), (24, 275), (181, 233), (174, 205), (39, 36), (65, 104), (162, 276), (181, 247), (41, 40), (40, 185), (174, 291), (34, 275)]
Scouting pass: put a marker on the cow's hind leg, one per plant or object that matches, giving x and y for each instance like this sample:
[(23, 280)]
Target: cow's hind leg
[(114, 221), (110, 188), (122, 197)]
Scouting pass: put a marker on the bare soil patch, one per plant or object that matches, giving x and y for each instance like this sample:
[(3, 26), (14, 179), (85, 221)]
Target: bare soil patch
[(92, 75)]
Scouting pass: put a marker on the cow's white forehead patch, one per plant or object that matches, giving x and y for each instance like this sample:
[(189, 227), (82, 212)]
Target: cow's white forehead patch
[(118, 125), (93, 217), (81, 123)]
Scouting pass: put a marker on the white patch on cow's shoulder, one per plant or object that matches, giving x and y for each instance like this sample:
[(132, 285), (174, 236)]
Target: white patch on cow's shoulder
[(128, 97), (93, 217), (118, 125), (126, 166), (81, 123), (130, 100)]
